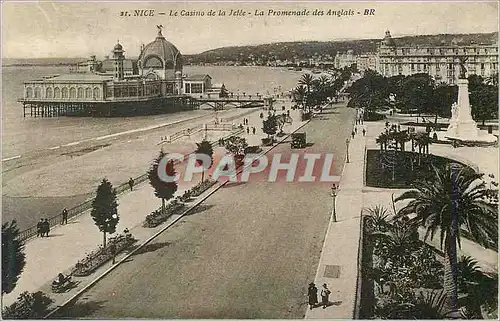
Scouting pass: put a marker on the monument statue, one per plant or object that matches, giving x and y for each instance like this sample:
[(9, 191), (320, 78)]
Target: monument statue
[(463, 70), (454, 110)]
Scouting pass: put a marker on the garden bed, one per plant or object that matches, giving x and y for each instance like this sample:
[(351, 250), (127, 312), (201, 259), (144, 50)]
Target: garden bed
[(177, 204), (398, 273), (158, 217), (97, 258), (407, 169)]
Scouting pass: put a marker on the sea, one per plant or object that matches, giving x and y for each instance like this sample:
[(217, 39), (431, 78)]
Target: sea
[(28, 134)]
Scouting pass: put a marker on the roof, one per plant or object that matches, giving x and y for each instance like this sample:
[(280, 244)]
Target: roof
[(197, 77), (107, 64), (164, 50), (78, 77)]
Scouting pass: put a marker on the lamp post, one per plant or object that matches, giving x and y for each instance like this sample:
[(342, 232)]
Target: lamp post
[(334, 195), (347, 145)]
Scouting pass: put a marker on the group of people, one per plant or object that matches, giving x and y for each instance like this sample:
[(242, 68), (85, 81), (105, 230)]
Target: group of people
[(312, 293), (43, 227), (355, 131), (253, 130)]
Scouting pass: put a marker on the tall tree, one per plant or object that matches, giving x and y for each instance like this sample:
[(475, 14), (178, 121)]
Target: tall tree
[(417, 92), (452, 201), (163, 190), (205, 148), (105, 209), (13, 257)]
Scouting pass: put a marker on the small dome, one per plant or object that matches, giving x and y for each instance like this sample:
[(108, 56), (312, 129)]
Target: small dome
[(160, 54), (118, 47)]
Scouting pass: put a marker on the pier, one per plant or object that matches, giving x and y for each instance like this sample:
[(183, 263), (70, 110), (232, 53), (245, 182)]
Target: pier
[(247, 101), (108, 107)]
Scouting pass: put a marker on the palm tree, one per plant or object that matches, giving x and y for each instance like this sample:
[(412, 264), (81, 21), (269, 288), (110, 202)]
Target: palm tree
[(306, 80), (453, 200), (382, 140), (299, 95), (377, 218)]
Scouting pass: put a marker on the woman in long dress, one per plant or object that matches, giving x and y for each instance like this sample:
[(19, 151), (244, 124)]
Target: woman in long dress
[(312, 293)]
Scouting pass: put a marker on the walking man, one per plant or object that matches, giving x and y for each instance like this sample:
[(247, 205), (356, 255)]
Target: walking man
[(45, 228), (352, 134), (355, 129), (364, 131), (39, 228), (131, 184), (325, 294), (64, 216), (312, 293)]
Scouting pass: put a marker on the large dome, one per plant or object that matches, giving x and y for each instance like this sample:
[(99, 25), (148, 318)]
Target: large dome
[(160, 54)]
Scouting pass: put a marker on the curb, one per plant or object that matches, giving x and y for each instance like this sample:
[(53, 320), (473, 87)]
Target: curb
[(105, 273)]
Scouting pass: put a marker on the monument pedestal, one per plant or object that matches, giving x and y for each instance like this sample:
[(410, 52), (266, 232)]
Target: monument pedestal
[(462, 127)]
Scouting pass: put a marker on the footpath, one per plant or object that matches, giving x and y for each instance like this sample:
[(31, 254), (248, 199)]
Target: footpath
[(339, 256), (67, 244)]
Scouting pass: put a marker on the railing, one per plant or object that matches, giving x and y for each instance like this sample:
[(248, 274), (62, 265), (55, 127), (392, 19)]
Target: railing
[(86, 205), (359, 278)]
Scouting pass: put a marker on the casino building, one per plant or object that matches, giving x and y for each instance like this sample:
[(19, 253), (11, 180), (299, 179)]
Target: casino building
[(118, 86)]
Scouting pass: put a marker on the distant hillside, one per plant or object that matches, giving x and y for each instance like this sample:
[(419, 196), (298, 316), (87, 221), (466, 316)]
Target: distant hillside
[(41, 61), (308, 49), (266, 53)]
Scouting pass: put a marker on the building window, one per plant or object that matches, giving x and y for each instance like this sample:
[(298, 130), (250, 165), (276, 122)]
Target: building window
[(88, 93), (72, 92), (96, 93), (38, 92), (57, 92), (48, 93), (196, 88), (64, 92), (80, 93), (187, 89), (482, 68), (29, 92)]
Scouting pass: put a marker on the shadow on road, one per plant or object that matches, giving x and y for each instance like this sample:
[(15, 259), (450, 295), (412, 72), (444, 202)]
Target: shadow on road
[(79, 310), (200, 208), (151, 247)]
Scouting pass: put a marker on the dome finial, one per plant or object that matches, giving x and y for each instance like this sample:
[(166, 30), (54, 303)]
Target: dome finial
[(160, 27)]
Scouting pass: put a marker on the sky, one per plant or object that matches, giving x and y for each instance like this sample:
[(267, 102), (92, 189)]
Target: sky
[(80, 29)]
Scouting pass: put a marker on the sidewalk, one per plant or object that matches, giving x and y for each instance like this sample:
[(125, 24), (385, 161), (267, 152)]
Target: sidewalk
[(46, 257), (340, 247)]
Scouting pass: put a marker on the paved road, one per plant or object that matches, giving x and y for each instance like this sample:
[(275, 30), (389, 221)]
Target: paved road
[(248, 252)]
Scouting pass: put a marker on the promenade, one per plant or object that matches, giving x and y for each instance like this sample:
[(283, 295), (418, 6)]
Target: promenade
[(339, 256), (66, 244)]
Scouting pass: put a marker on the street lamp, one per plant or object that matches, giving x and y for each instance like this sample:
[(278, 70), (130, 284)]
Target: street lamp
[(334, 195), (347, 145)]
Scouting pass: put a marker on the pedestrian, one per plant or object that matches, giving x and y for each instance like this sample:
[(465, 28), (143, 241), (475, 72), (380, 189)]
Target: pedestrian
[(312, 293), (131, 183), (47, 228), (64, 217), (355, 129), (325, 293), (364, 132), (39, 228), (253, 130), (352, 134)]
